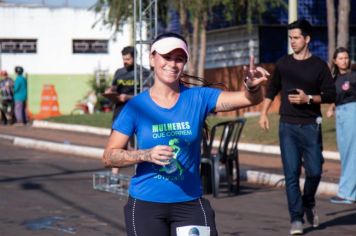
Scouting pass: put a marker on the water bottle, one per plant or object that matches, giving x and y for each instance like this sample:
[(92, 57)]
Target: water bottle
[(318, 121), (171, 166)]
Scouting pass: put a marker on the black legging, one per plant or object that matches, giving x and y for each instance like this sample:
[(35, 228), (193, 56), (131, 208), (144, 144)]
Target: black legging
[(150, 218)]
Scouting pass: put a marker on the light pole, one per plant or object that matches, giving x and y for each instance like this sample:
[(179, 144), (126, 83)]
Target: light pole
[(292, 16), (251, 45)]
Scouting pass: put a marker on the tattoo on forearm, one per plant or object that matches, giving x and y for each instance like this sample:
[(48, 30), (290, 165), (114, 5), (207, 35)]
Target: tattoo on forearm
[(143, 155), (119, 157), (225, 107)]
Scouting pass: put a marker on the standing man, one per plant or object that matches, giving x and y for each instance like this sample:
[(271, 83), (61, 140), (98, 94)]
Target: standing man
[(123, 84), (20, 96), (124, 80), (304, 82)]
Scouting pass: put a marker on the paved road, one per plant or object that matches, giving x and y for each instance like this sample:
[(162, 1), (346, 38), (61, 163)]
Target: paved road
[(54, 191), (252, 161)]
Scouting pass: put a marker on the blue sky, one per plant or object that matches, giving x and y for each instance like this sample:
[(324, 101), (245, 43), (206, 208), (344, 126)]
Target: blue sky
[(56, 3)]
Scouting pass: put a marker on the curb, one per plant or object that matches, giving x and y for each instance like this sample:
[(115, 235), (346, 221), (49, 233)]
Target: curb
[(273, 149), (69, 127), (275, 180), (7, 137), (255, 177), (90, 152), (249, 147)]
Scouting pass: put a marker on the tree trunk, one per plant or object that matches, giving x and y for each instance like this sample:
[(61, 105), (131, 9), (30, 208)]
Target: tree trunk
[(202, 53), (343, 24), (183, 19), (331, 29), (195, 46)]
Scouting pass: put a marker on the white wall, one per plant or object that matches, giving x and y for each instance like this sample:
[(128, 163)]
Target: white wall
[(54, 29)]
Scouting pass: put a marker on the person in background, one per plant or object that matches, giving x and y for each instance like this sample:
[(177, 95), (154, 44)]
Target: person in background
[(344, 109), (20, 96), (304, 82), (124, 84), (165, 194), (7, 98), (124, 80)]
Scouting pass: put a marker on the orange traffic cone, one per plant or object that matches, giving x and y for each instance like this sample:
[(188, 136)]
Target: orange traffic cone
[(49, 102)]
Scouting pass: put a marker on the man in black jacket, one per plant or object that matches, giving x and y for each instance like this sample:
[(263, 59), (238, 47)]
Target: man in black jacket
[(304, 82), (124, 80), (123, 84)]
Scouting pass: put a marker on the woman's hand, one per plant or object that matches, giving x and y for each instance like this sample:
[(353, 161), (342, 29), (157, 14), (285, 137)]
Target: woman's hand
[(159, 155), (116, 155), (330, 112), (254, 77)]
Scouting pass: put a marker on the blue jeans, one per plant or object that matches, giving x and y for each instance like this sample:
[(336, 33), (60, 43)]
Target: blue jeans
[(301, 145), (346, 142)]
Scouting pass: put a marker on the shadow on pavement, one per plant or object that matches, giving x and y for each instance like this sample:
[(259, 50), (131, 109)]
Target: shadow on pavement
[(244, 190), (349, 219), (65, 172)]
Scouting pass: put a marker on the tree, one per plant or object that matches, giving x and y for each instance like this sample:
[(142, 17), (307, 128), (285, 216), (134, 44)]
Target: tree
[(189, 11), (331, 29), (199, 11), (343, 23), (114, 12), (192, 13), (342, 26)]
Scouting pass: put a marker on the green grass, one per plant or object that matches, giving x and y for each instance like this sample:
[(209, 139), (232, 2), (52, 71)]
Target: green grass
[(101, 120), (70, 89), (250, 134)]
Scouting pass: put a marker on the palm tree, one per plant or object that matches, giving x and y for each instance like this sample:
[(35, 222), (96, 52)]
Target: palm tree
[(342, 26), (192, 13), (114, 12), (343, 23), (199, 11), (331, 29)]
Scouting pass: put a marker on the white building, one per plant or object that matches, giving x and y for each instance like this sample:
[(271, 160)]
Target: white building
[(57, 40)]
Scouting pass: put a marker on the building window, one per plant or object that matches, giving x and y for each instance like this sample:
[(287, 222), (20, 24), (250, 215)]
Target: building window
[(90, 46), (18, 45)]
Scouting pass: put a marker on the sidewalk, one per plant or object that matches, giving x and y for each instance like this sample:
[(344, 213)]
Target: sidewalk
[(249, 147), (258, 168)]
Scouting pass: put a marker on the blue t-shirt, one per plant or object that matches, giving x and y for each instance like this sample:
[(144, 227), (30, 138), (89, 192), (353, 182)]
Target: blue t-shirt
[(179, 127)]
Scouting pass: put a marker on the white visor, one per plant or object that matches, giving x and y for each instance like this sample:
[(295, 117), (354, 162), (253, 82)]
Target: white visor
[(166, 45)]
